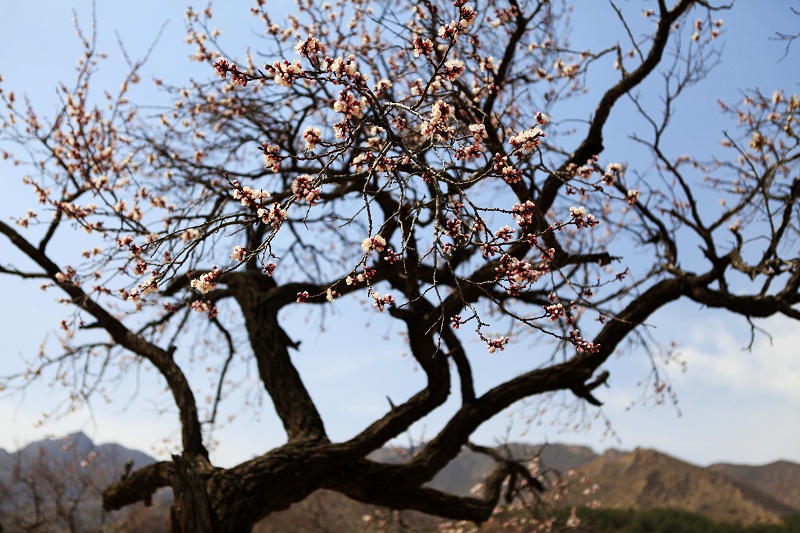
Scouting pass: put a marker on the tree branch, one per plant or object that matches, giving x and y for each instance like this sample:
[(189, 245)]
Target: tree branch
[(191, 434)]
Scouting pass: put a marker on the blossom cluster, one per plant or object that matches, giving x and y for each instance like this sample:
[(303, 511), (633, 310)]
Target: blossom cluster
[(391, 257), (205, 307), (698, 26), (206, 282), (523, 213), (554, 311), (285, 73), (564, 69), (467, 16), (441, 112), (581, 219), (361, 277), (382, 301), (422, 47), (506, 233), (247, 196), (312, 136), (494, 344), (269, 268), (24, 220), (69, 275), (453, 68), (310, 48), (528, 140), (509, 174), (340, 67), (478, 131), (349, 105), (612, 171), (518, 274), (381, 89), (582, 344), (331, 294), (271, 158), (367, 160), (222, 66), (186, 235), (274, 216), (238, 254), (303, 189), (376, 243)]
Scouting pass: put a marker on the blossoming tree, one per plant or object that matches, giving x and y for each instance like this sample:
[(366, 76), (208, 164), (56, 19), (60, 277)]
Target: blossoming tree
[(416, 155)]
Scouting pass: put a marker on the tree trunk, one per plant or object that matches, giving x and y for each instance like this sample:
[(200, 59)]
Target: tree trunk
[(191, 510)]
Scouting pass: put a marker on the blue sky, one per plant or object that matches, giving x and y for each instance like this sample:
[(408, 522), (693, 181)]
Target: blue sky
[(735, 405)]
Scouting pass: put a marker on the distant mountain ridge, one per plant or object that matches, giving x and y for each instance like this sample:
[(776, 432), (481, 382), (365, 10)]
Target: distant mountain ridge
[(57, 484), (81, 445), (647, 479), (780, 479), (640, 480)]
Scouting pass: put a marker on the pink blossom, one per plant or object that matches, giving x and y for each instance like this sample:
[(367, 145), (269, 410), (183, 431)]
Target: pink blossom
[(528, 140), (312, 136), (331, 294), (376, 243), (422, 47), (453, 69), (349, 105), (285, 73), (202, 306), (494, 344), (247, 196), (149, 285), (238, 254), (523, 213), (309, 48), (206, 283), (274, 216), (382, 301), (269, 269), (303, 189), (271, 159)]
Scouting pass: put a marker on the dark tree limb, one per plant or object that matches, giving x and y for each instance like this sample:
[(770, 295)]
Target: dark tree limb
[(592, 143), (191, 435), (270, 345), (138, 486), (379, 484)]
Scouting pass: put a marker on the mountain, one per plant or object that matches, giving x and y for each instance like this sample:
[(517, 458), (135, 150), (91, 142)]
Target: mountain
[(112, 456), (647, 479), (56, 485), (639, 481), (643, 479), (780, 480), (75, 470), (470, 468)]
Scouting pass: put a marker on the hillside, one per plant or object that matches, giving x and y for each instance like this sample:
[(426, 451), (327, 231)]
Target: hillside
[(76, 470), (470, 468), (50, 484), (780, 480), (112, 456), (647, 479)]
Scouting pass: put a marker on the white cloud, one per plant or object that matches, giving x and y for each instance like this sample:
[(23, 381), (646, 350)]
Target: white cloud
[(771, 368)]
